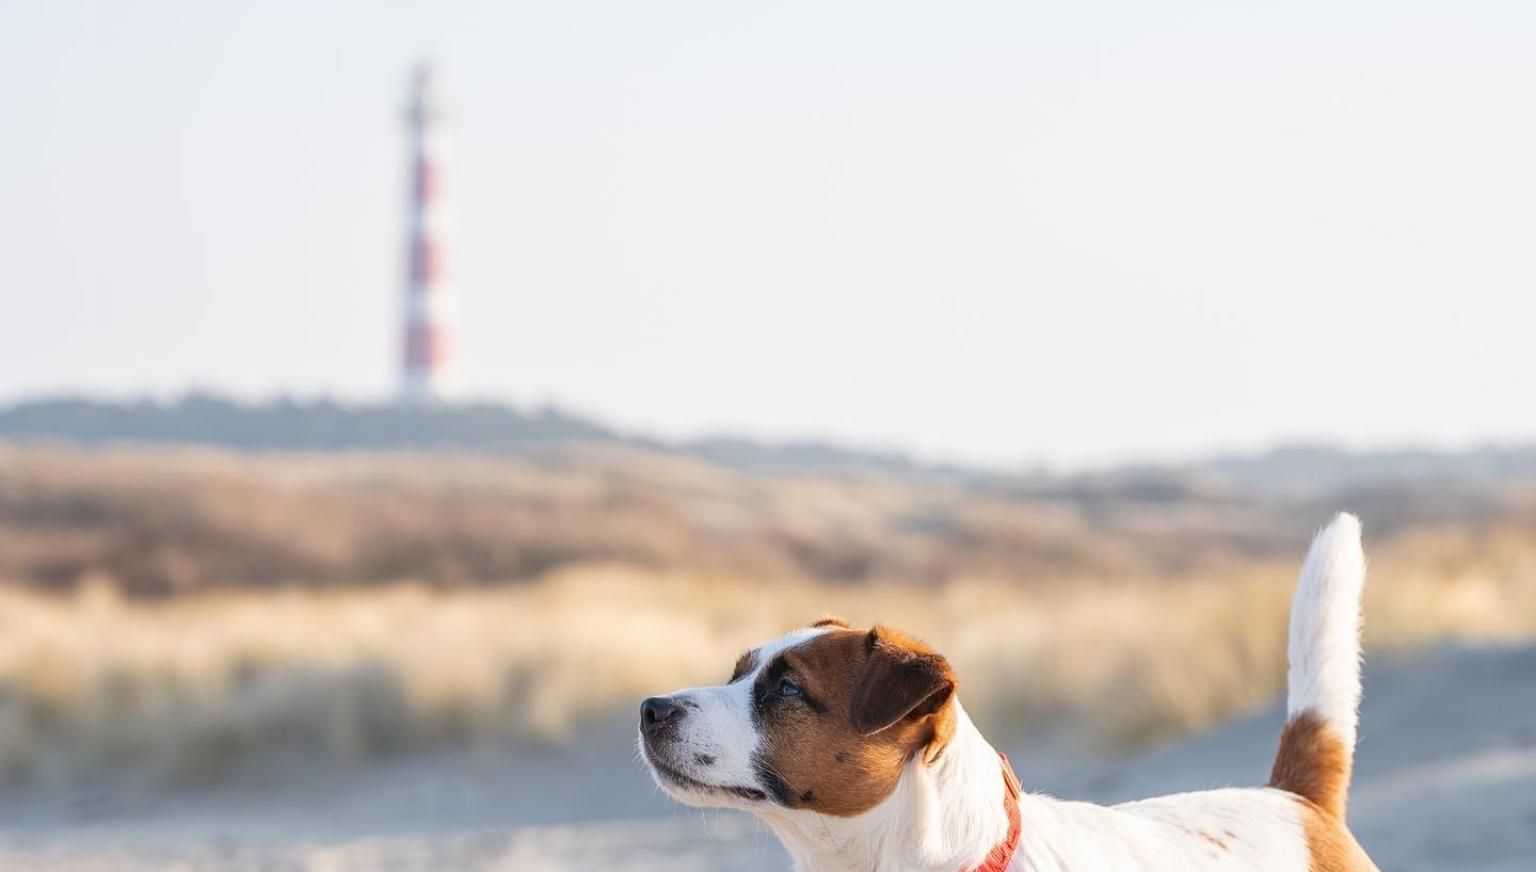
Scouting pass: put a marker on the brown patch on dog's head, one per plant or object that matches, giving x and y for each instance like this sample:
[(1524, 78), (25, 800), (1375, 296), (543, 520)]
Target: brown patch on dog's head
[(841, 714), (744, 664), (830, 621)]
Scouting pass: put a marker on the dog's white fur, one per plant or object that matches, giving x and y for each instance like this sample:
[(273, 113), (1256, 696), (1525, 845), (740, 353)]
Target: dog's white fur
[(946, 816), (1325, 630)]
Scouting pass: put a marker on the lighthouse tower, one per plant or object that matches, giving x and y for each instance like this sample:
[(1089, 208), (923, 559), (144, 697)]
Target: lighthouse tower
[(427, 344)]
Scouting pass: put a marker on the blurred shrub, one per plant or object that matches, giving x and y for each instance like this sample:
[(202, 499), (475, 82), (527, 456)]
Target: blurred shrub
[(182, 611), (168, 521), (189, 686)]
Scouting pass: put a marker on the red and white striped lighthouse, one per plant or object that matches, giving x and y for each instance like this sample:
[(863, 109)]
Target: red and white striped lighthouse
[(427, 372)]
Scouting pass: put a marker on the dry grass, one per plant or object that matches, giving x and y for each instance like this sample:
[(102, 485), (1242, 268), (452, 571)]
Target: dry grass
[(184, 610), (171, 521), (190, 685)]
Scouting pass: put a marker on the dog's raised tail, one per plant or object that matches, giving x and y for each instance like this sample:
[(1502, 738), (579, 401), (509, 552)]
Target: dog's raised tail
[(1322, 709)]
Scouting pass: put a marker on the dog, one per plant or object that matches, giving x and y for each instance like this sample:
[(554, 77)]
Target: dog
[(852, 745)]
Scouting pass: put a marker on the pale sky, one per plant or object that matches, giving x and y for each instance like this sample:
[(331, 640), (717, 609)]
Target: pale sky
[(1002, 232)]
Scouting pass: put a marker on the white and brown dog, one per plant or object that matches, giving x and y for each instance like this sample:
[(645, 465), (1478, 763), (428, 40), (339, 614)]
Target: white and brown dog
[(853, 746)]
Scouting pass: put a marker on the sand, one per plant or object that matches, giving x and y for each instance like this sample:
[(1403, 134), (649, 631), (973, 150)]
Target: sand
[(1446, 780)]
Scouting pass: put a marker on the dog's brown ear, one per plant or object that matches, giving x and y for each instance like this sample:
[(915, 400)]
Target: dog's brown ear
[(902, 679)]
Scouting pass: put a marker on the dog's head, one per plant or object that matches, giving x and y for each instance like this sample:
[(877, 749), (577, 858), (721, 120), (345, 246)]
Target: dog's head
[(823, 719)]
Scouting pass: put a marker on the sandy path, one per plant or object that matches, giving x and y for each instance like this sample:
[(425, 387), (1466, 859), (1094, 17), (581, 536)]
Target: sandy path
[(1446, 781)]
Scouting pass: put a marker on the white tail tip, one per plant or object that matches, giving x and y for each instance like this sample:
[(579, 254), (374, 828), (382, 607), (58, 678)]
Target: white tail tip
[(1325, 629)]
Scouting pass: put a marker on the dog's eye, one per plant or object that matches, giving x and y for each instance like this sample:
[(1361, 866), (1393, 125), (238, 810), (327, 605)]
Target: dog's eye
[(788, 688)]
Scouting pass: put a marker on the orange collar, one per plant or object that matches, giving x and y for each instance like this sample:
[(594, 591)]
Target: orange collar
[(1002, 853)]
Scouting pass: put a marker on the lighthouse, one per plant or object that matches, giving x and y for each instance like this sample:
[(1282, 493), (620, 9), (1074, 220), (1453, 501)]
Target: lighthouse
[(427, 343)]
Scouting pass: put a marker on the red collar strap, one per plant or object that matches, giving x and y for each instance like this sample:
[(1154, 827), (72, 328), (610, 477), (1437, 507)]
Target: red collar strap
[(1002, 853)]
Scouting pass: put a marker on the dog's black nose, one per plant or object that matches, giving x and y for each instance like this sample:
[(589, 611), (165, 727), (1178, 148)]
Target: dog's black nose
[(659, 710)]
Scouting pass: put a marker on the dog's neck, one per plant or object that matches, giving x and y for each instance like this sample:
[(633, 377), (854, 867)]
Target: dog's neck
[(942, 817)]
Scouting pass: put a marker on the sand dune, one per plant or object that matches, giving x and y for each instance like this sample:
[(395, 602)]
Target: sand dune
[(1446, 781)]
